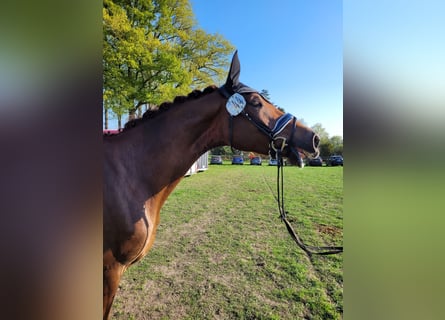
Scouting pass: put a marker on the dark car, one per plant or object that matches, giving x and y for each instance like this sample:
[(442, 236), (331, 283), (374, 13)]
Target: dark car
[(256, 161), (315, 162), (216, 160), (335, 161), (237, 160)]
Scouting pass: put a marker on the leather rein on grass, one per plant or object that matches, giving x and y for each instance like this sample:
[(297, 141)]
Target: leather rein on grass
[(310, 250)]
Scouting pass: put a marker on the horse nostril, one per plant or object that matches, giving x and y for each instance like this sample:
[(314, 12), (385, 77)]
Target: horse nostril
[(316, 141)]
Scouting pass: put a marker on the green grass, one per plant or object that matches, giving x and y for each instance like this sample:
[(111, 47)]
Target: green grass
[(222, 252)]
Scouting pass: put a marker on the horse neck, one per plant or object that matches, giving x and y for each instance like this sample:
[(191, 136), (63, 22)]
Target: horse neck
[(195, 127), (163, 149)]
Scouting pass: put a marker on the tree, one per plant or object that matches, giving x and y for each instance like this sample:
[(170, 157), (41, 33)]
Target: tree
[(326, 149), (265, 94), (153, 51), (337, 144), (223, 150)]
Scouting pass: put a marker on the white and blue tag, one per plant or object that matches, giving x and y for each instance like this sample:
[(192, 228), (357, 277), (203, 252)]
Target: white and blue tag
[(235, 104)]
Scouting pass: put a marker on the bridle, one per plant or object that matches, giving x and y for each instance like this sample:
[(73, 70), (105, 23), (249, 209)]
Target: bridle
[(276, 152), (273, 134)]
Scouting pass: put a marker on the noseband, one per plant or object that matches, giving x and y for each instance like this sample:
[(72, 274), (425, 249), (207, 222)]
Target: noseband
[(273, 134)]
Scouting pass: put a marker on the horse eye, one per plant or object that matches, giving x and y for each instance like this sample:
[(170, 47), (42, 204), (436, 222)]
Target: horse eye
[(257, 103)]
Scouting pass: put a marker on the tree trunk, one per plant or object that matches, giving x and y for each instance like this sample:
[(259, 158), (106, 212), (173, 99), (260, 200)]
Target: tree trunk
[(106, 119)]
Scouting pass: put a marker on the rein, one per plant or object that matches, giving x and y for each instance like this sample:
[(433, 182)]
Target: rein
[(310, 250)]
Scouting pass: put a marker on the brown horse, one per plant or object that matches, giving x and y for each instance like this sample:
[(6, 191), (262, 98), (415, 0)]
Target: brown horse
[(145, 162)]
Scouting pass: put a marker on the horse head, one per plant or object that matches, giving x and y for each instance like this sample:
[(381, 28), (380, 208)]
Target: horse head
[(257, 125)]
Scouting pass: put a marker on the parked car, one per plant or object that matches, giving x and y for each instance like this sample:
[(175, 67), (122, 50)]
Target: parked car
[(274, 162), (256, 161), (315, 162), (237, 160), (216, 160), (335, 161)]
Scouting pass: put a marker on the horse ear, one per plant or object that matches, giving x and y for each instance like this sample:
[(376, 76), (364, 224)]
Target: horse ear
[(234, 72)]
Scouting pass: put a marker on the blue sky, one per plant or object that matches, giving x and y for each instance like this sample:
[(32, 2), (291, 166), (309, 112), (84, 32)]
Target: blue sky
[(292, 48)]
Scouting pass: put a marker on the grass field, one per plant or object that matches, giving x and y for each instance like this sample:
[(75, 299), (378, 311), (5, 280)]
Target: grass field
[(222, 252)]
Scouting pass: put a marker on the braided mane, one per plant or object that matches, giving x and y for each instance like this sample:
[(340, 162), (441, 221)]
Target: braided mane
[(165, 106)]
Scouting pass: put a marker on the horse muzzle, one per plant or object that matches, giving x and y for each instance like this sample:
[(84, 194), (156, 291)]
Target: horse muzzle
[(309, 149)]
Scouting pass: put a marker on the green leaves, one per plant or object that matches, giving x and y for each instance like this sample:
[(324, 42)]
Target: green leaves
[(153, 51)]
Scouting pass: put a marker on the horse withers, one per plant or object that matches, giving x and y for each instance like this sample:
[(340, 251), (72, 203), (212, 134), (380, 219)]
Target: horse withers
[(146, 161)]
